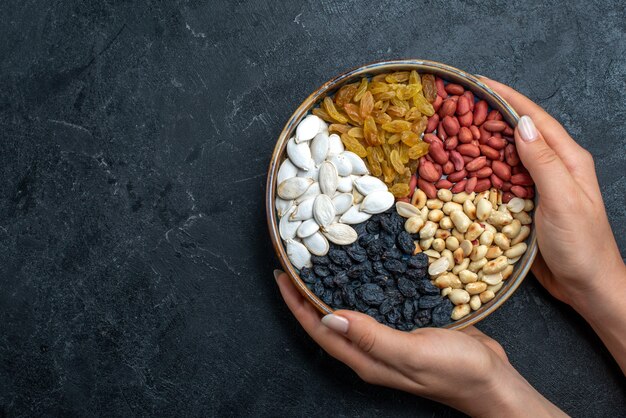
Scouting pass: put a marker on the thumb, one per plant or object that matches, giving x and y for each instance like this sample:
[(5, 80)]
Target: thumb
[(544, 165), (368, 335)]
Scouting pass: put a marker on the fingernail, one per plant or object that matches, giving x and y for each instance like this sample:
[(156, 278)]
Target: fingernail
[(527, 129), (277, 273), (336, 323)]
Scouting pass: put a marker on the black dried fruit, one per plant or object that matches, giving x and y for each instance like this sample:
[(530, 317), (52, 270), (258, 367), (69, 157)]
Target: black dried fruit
[(375, 250), (393, 316), (392, 253), (422, 318), (371, 293), (406, 287), (339, 257), (360, 228), (408, 310), (341, 279), (361, 305), (337, 299), (329, 281), (418, 261), (441, 314), (381, 280), (379, 268), (405, 243), (321, 271), (327, 297), (395, 266), (307, 275), (387, 240), (387, 224), (318, 289), (357, 253), (335, 269), (394, 296), (425, 287), (430, 301), (385, 307), (349, 296), (320, 260), (357, 271), (366, 240), (416, 274), (373, 227)]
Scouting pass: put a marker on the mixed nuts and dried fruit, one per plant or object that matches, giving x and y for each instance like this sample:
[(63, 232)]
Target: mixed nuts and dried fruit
[(462, 200)]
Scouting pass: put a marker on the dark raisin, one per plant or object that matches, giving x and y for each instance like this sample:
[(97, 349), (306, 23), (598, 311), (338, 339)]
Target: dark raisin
[(418, 261), (307, 275), (356, 271), (341, 279), (394, 296), (430, 301), (393, 316), (366, 240), (318, 289), (406, 287), (337, 299), (381, 280), (329, 281), (425, 287), (392, 253), (379, 268), (321, 271), (405, 243), (360, 228), (327, 297), (373, 227), (387, 240), (422, 318), (408, 310), (335, 269), (441, 314), (349, 296), (375, 250), (371, 293), (395, 266), (357, 253), (385, 307), (405, 326), (339, 257), (361, 305), (387, 224), (320, 260), (415, 274)]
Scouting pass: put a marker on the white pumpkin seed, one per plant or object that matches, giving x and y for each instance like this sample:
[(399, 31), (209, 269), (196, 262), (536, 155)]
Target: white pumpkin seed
[(308, 128), (358, 165), (345, 184), (307, 228), (282, 206), (312, 191), (328, 178), (344, 167), (335, 146), (407, 210), (286, 171), (343, 202), (368, 184), (340, 234), (311, 173), (293, 187), (319, 147), (377, 202), (286, 227), (303, 211), (323, 210), (299, 154), (354, 216), (298, 254), (317, 244)]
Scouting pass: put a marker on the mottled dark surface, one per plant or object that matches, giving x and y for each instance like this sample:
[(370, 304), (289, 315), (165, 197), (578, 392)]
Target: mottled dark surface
[(135, 269)]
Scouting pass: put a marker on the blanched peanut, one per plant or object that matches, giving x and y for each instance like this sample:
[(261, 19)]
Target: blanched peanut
[(426, 243), (448, 254), (486, 238), (477, 265), (478, 252), (417, 249), (433, 254), (442, 233), (504, 209), (467, 247), (516, 250), (435, 215), (486, 296), (459, 296), (467, 276), (474, 231), (475, 288), (413, 224), (461, 266), (502, 241), (507, 272), (523, 234), (458, 235), (524, 218), (516, 205), (528, 205), (424, 213), (460, 197), (480, 274), (458, 255), (452, 244), (460, 311), (450, 207), (434, 204), (490, 228), (438, 245), (445, 292), (495, 266), (512, 261), (493, 252), (469, 209), (481, 196), (448, 280), (493, 197), (497, 218), (496, 287), (475, 303), (492, 279), (438, 267), (460, 220), (419, 198), (428, 230), (431, 259), (483, 209), (512, 230), (446, 223), (444, 195)]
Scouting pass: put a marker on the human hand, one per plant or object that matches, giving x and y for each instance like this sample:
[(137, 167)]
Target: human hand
[(464, 369), (579, 256)]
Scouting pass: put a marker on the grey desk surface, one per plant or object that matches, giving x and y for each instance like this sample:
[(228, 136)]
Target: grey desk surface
[(135, 269)]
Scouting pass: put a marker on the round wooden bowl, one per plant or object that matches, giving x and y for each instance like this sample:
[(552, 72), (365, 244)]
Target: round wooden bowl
[(446, 72)]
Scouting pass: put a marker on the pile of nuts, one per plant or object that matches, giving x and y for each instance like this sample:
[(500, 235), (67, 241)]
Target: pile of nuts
[(472, 241)]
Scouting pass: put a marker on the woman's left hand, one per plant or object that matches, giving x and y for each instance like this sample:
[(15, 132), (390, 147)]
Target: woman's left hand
[(464, 369)]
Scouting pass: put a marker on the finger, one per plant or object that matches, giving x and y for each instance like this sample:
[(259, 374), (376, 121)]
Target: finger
[(544, 165), (555, 134), (486, 340)]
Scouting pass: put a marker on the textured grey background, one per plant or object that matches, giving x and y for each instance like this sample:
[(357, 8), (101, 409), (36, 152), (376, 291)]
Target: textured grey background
[(135, 266)]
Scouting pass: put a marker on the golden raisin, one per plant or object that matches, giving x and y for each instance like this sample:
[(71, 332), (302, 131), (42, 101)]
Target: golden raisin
[(397, 126), (353, 144), (409, 138), (366, 105), (336, 128), (394, 159), (352, 111), (360, 91), (420, 102), (323, 115), (370, 132), (418, 150), (429, 87), (329, 107), (397, 77), (356, 132), (400, 190), (345, 94)]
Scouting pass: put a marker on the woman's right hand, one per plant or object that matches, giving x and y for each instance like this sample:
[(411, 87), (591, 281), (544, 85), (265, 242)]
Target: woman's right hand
[(578, 250)]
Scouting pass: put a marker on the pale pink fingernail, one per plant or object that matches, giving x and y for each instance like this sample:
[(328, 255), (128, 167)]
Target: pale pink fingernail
[(527, 129), (336, 323), (277, 273)]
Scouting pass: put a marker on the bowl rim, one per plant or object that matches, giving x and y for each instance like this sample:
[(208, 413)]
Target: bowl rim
[(467, 80)]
